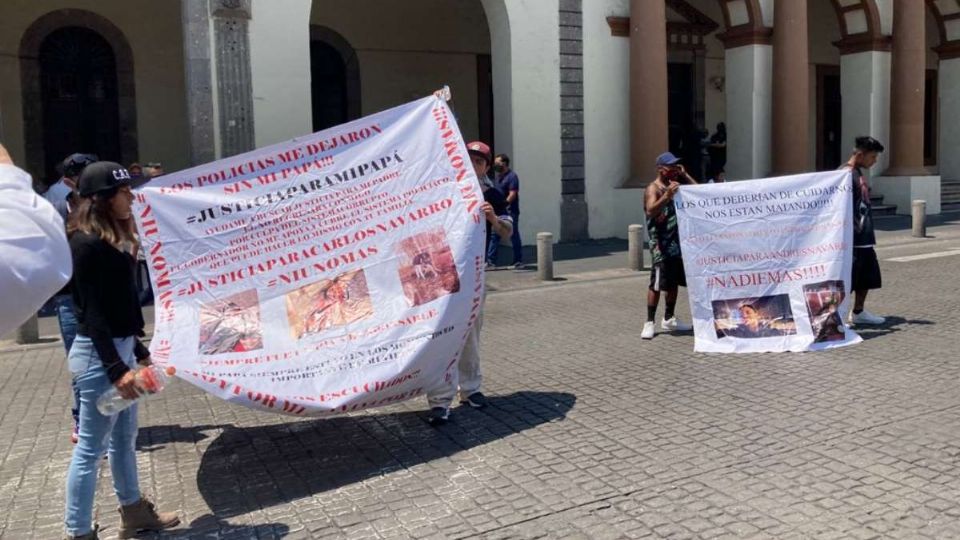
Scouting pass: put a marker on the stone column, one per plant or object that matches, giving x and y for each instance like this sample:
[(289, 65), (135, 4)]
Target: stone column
[(574, 212), (908, 69), (648, 88), (195, 15), (231, 41), (791, 88)]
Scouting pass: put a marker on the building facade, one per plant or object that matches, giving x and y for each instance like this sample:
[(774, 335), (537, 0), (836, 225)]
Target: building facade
[(581, 94)]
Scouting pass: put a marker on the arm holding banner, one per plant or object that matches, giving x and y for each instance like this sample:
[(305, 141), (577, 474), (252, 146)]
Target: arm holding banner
[(502, 225), (690, 179)]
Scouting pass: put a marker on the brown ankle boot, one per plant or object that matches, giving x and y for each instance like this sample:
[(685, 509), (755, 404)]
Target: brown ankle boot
[(142, 516)]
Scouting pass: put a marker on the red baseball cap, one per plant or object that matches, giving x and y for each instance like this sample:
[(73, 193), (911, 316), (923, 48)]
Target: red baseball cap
[(481, 149)]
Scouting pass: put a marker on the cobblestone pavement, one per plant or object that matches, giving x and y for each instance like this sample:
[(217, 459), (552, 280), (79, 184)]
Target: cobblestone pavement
[(591, 434)]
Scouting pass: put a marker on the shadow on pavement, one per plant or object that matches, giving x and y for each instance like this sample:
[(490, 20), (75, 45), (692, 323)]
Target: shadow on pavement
[(891, 326), (207, 525), (152, 438), (248, 469)]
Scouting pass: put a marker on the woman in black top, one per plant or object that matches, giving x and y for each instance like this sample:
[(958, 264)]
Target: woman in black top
[(107, 348)]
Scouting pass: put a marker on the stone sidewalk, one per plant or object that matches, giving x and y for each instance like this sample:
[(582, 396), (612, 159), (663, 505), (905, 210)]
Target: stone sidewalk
[(591, 434)]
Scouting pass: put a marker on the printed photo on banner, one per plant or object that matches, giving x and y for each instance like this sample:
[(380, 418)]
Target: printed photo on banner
[(767, 316), (823, 305), (231, 325), (328, 304), (427, 268)]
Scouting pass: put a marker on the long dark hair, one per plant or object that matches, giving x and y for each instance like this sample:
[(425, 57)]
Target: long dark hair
[(94, 216)]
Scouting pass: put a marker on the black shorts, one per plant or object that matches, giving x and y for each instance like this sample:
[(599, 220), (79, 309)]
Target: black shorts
[(668, 275), (866, 270)]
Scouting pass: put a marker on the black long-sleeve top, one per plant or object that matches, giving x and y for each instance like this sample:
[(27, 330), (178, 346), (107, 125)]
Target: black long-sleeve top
[(105, 299)]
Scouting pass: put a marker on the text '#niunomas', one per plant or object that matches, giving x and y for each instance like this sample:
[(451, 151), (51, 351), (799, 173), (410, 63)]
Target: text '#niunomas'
[(306, 188)]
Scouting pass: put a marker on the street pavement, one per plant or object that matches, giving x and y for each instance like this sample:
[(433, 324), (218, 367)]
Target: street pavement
[(591, 432)]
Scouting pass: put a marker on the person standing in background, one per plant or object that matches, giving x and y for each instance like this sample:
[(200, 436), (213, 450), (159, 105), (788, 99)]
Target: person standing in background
[(509, 184), (717, 148)]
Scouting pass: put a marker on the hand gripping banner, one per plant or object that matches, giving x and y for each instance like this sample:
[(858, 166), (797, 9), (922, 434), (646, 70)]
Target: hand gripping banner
[(331, 273), (768, 262)]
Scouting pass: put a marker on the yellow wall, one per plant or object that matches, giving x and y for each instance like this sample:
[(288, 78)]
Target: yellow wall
[(408, 49), (153, 30)]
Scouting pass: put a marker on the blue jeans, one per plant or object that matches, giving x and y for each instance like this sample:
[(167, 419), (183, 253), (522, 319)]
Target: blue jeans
[(67, 319), (117, 433), (493, 247), (493, 243), (68, 332)]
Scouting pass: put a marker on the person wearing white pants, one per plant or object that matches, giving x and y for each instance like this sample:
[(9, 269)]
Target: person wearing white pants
[(467, 378)]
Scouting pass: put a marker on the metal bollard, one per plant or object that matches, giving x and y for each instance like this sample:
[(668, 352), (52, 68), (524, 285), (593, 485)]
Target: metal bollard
[(919, 214), (28, 332), (545, 256), (635, 247)]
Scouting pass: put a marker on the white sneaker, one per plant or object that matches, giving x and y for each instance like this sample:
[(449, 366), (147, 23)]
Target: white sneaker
[(649, 329), (867, 318), (675, 325)]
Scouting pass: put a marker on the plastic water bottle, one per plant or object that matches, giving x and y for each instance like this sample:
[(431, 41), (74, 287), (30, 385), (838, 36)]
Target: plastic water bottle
[(150, 380)]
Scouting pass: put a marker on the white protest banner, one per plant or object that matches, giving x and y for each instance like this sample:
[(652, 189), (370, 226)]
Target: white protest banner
[(331, 273), (768, 262)]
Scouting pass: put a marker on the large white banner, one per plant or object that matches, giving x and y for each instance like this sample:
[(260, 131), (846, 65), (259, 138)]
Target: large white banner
[(331, 273), (768, 262)]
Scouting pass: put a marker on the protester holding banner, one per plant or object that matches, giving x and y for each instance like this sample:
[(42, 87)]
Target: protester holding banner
[(768, 262), (467, 377), (866, 268), (668, 274), (101, 231)]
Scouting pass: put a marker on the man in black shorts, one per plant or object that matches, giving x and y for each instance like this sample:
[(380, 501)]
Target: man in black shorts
[(667, 274), (866, 269)]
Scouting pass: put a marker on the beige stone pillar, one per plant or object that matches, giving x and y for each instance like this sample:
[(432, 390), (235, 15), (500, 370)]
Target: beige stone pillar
[(648, 88), (791, 88), (907, 79)]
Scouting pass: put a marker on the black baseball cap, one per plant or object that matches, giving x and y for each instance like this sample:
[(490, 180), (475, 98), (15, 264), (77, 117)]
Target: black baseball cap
[(74, 164), (102, 176)]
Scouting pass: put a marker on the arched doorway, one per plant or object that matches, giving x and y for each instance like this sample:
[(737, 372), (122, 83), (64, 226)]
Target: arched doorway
[(67, 79), (78, 80), (328, 87), (335, 79)]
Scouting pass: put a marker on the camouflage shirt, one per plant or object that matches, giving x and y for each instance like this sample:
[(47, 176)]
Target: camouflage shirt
[(663, 232)]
